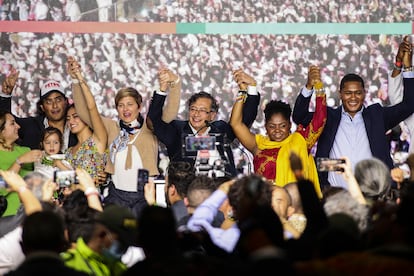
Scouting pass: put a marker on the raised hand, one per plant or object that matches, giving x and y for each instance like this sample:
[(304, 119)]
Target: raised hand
[(225, 187), (243, 80), (85, 180), (13, 180), (346, 167), (314, 76), (10, 81), (74, 68), (87, 185), (48, 189), (150, 192), (397, 175), (166, 78), (407, 49)]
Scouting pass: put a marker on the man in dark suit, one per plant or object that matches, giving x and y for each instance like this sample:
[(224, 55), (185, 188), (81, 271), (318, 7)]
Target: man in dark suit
[(51, 108), (202, 108), (352, 129)]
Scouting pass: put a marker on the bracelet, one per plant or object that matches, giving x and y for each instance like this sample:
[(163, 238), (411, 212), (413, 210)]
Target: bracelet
[(398, 64), (398, 68), (76, 81), (320, 91), (173, 83), (408, 69), (241, 96), (91, 191)]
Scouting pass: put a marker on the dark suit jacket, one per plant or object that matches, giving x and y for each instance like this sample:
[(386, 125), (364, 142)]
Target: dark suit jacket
[(31, 128), (377, 119), (171, 134)]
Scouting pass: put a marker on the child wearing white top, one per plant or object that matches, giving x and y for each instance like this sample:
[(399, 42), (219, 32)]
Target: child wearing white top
[(52, 160)]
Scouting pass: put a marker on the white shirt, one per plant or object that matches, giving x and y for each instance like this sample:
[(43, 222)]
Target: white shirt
[(11, 254), (126, 180)]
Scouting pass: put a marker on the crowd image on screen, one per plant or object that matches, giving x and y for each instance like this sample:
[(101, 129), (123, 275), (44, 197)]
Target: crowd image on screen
[(203, 62)]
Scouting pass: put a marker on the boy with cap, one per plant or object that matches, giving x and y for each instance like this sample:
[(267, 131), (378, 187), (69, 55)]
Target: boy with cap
[(51, 108), (100, 254)]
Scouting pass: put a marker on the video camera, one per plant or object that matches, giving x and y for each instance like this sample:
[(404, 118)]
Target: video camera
[(209, 153)]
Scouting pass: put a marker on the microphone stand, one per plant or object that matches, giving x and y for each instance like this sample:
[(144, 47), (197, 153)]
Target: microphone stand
[(249, 163)]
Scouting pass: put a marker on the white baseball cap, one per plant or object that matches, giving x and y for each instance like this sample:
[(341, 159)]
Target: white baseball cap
[(51, 86)]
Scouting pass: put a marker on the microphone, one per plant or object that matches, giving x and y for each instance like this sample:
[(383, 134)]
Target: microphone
[(206, 125)]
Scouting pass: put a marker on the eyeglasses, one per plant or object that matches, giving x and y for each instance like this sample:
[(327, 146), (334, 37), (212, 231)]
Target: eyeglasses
[(199, 110), (56, 100)]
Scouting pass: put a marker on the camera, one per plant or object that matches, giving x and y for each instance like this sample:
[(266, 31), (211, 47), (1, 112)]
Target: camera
[(208, 152), (65, 178), (3, 183), (143, 175), (196, 143), (324, 164)]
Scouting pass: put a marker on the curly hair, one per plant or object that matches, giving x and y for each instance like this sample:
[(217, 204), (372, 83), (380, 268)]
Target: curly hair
[(277, 107)]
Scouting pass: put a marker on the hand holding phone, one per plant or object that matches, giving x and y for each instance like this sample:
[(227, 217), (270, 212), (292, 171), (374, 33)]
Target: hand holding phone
[(65, 178), (143, 175)]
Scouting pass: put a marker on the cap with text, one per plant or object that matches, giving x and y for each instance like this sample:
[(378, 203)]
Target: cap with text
[(49, 87)]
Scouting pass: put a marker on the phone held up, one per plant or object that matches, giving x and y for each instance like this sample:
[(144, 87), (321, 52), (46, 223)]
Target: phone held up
[(324, 164), (65, 178), (143, 175)]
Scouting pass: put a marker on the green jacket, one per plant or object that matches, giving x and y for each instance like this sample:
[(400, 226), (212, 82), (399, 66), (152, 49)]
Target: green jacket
[(84, 259)]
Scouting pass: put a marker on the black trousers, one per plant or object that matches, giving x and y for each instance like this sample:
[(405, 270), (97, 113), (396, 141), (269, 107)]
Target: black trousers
[(135, 201)]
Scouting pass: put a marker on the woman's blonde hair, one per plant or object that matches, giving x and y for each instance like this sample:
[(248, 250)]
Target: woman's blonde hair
[(128, 92)]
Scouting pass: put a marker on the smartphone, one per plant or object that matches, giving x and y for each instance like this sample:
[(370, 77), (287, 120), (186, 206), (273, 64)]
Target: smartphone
[(3, 183), (143, 175), (65, 178), (324, 164)]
